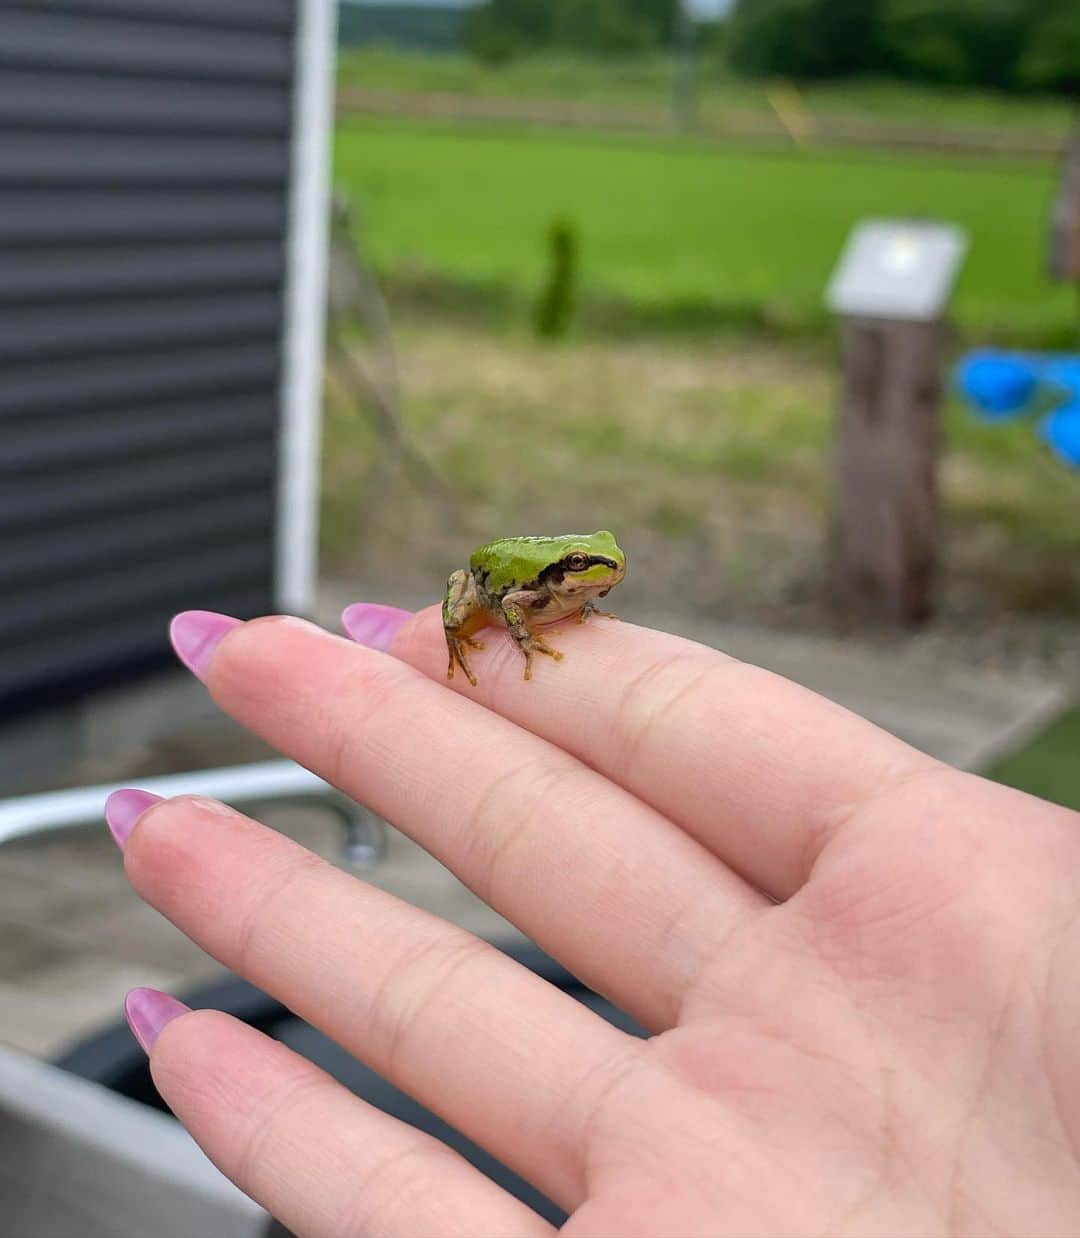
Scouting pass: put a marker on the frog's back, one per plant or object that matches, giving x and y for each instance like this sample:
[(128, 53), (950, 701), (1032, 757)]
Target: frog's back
[(513, 562)]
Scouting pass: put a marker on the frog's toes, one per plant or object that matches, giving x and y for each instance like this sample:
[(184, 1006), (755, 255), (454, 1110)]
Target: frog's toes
[(457, 655), (534, 644), (473, 644), (591, 608)]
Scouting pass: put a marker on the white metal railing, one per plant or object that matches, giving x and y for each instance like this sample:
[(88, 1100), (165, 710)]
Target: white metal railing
[(242, 786)]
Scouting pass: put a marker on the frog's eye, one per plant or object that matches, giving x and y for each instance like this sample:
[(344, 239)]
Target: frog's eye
[(577, 563)]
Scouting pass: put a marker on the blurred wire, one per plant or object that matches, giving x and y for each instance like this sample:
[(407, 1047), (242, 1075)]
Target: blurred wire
[(371, 378)]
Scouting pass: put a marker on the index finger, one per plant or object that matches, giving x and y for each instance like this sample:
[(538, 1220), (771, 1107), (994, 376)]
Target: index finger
[(758, 769)]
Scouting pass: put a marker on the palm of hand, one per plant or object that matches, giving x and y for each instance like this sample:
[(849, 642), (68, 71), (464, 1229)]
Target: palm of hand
[(891, 1051)]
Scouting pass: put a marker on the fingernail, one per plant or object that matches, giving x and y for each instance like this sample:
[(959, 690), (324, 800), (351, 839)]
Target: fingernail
[(196, 634), (373, 625), (148, 1011), (123, 808)]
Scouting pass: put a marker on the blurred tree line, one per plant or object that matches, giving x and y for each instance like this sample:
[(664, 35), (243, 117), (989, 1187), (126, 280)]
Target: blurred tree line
[(1005, 44), (502, 29)]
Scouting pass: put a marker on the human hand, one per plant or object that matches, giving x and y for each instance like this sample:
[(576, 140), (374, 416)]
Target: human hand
[(859, 967)]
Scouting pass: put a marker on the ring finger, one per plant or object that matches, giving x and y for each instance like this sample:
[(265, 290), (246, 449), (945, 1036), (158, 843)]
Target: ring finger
[(511, 1061)]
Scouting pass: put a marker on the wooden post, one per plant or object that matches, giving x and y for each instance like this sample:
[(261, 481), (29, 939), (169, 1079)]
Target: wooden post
[(886, 473), (1065, 217)]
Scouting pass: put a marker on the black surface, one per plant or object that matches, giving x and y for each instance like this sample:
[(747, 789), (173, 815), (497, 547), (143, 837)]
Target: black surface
[(115, 1060), (144, 162)]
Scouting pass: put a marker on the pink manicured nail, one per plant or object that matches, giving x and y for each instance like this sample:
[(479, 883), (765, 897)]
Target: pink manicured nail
[(123, 809), (196, 634), (373, 625), (147, 1011)]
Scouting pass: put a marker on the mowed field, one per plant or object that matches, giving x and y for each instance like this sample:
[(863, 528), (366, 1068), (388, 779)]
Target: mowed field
[(688, 233)]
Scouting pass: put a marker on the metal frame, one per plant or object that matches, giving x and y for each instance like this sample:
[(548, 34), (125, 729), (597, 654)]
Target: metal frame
[(267, 782)]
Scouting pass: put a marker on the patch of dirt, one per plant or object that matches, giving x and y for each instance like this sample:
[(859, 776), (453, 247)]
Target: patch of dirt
[(717, 125), (711, 462)]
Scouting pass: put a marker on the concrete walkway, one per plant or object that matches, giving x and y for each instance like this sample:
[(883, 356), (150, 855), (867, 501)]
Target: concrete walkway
[(73, 937)]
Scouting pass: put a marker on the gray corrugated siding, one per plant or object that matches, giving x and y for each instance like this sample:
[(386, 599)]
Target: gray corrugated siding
[(144, 160)]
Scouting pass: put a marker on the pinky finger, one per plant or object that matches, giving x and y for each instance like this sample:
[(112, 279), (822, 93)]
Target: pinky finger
[(319, 1159)]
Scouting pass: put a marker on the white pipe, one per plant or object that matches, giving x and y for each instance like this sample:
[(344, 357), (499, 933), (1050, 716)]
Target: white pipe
[(26, 815), (296, 548)]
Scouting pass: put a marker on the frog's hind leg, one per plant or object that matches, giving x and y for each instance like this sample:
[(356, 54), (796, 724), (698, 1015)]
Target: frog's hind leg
[(528, 642), (460, 609)]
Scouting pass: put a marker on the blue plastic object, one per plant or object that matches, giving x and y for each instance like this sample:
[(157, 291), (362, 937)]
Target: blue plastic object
[(1064, 373), (1061, 430), (998, 385)]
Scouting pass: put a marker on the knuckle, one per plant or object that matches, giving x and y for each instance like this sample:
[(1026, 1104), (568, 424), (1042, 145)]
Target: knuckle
[(386, 1198), (263, 904), (504, 820), (263, 1126), (414, 985), (656, 694), (598, 1106), (384, 690)]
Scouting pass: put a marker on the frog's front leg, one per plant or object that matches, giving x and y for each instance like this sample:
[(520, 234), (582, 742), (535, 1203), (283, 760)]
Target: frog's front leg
[(591, 608), (515, 607), (462, 615)]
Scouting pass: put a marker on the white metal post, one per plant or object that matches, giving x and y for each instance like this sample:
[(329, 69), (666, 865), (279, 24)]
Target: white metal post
[(296, 550)]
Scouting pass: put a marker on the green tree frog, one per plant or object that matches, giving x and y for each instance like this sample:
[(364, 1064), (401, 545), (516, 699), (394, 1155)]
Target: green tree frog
[(524, 583)]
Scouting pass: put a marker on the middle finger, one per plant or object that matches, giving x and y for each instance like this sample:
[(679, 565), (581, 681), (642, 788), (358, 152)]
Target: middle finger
[(600, 880)]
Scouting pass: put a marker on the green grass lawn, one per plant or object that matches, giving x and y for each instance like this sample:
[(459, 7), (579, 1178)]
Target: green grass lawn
[(1049, 766), (641, 80), (673, 228)]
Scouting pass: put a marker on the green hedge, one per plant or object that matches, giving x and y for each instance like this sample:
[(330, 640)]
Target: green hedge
[(502, 29), (1004, 44)]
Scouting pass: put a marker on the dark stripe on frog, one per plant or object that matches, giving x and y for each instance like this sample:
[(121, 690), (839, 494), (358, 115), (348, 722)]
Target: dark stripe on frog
[(557, 571)]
